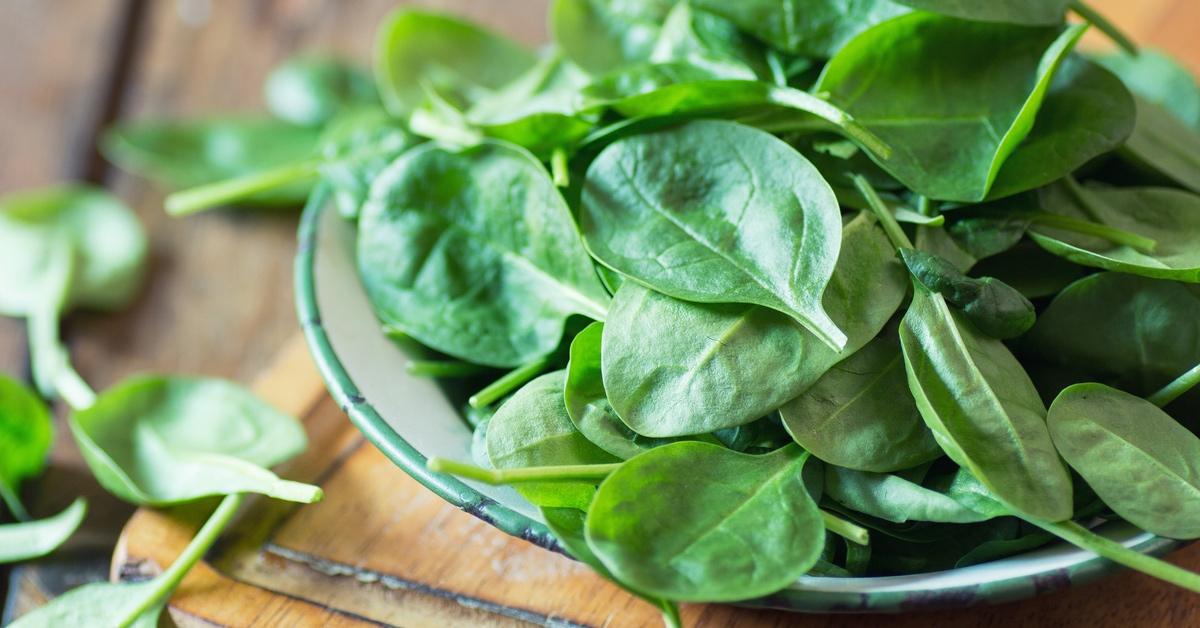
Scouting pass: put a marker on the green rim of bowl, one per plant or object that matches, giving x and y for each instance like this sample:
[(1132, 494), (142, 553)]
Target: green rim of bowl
[(811, 594)]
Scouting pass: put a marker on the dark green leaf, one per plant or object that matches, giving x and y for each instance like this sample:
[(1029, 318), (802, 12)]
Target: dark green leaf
[(817, 28), (474, 253), (1159, 79), (1033, 12), (1162, 144), (995, 308)]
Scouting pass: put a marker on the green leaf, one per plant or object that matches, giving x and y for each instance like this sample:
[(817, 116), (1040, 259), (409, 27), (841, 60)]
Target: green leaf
[(1140, 461), (533, 429), (1159, 79), (673, 367), (714, 211), (475, 253), (588, 405), (935, 90), (26, 433), (310, 90), (102, 235), (33, 539), (893, 498), (1031, 12), (1169, 217), (816, 28), (996, 308), (983, 409), (356, 146), (126, 605), (860, 414), (692, 521), (1164, 145), (417, 52), (185, 154), (159, 441), (1132, 332), (602, 35)]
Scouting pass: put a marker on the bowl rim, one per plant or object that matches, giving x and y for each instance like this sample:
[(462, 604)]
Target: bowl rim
[(894, 593)]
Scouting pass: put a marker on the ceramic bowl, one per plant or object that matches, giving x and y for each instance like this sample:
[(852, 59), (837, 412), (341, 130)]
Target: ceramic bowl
[(411, 418)]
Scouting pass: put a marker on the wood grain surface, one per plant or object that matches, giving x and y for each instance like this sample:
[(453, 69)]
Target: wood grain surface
[(219, 302)]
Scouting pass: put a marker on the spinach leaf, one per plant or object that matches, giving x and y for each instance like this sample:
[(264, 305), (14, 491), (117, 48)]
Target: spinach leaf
[(860, 414), (533, 429), (983, 409), (714, 211), (1031, 270), (26, 433), (693, 521), (713, 366), (1130, 331), (934, 89), (1140, 461), (134, 605), (1164, 145), (996, 308), (475, 253), (893, 498), (310, 90), (1170, 218), (762, 436), (1033, 12), (159, 441), (1159, 79), (33, 539), (418, 53), (197, 152), (602, 35), (817, 28), (588, 405), (355, 148)]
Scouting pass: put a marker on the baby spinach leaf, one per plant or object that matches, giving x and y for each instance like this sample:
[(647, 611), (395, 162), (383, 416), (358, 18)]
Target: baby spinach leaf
[(893, 498), (135, 605), (1170, 218), (1159, 79), (26, 433), (1164, 145), (310, 90), (356, 146), (1130, 331), (1031, 270), (693, 521), (1032, 12), (1087, 113), (860, 414), (817, 28), (33, 539), (418, 52), (197, 152), (761, 436), (714, 211), (983, 409), (475, 253), (708, 42), (934, 89), (588, 406), (533, 429), (996, 308), (714, 366), (160, 441), (602, 35), (1140, 461)]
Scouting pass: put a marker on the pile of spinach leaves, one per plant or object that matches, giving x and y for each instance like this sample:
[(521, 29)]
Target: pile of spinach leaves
[(781, 288)]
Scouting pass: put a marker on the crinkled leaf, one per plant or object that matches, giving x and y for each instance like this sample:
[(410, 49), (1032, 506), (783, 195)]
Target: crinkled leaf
[(356, 146), (996, 308)]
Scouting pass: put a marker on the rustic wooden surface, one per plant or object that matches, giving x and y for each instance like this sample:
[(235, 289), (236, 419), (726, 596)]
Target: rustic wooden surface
[(219, 302)]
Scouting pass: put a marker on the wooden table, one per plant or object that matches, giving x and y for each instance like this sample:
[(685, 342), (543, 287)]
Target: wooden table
[(219, 299)]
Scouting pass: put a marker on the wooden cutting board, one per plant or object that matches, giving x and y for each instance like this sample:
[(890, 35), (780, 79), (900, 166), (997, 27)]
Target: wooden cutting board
[(380, 549)]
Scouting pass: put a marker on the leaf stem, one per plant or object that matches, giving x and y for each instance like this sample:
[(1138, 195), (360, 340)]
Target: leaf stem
[(507, 383), (1081, 537), (845, 529), (8, 495), (443, 368), (879, 208), (1172, 391), (1108, 28), (1086, 227), (564, 473), (803, 101), (169, 580), (200, 198), (670, 614), (559, 168)]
